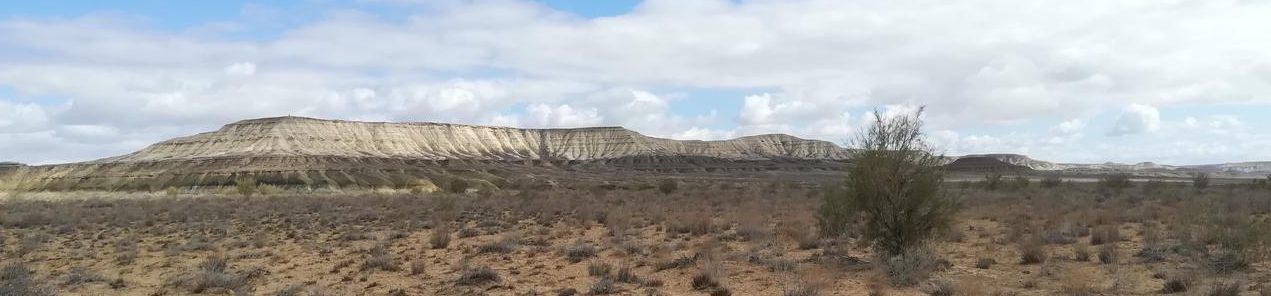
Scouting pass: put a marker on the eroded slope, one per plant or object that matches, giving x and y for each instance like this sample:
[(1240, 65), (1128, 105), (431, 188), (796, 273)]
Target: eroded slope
[(298, 151)]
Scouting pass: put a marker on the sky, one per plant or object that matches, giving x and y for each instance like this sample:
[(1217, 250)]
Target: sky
[(1089, 81)]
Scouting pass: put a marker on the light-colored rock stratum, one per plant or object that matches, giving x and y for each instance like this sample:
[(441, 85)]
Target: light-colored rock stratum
[(298, 136), (297, 151)]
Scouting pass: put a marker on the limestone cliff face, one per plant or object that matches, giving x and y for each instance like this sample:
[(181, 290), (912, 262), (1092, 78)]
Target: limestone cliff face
[(296, 136), (316, 152)]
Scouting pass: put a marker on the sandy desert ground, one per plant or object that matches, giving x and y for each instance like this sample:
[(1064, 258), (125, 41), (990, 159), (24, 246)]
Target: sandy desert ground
[(703, 238)]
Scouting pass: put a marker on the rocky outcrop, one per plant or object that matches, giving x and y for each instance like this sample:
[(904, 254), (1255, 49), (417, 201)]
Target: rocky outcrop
[(297, 151)]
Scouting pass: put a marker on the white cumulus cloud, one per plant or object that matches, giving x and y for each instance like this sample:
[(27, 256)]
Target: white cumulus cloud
[(241, 69), (1069, 127), (1136, 119)]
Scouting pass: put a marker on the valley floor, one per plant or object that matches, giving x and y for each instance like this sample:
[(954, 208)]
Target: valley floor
[(714, 238)]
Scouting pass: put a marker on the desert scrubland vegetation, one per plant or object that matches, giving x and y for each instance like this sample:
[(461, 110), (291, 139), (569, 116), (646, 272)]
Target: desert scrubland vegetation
[(894, 226), (701, 238)]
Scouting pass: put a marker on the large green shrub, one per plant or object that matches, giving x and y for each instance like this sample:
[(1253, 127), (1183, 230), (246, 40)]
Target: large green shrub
[(893, 187)]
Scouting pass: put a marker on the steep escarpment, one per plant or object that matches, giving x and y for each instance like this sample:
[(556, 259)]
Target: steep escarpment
[(296, 136), (296, 151)]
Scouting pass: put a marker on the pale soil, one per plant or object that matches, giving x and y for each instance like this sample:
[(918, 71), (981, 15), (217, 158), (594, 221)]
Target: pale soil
[(313, 260)]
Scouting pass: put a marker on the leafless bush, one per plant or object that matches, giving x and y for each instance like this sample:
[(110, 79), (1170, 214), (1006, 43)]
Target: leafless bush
[(1107, 234), (910, 267), (579, 251), (417, 267), (985, 263), (681, 262), (18, 279), (1081, 253), (780, 265), (801, 290), (603, 286), (599, 269), (379, 259), (705, 279), (941, 287), (687, 222), (1032, 252), (809, 240), (477, 276), (753, 232), (440, 237), (626, 275), (81, 275), (211, 277), (289, 291), (1225, 262), (32, 243), (1108, 254), (1178, 283), (467, 232), (501, 246), (1224, 288)]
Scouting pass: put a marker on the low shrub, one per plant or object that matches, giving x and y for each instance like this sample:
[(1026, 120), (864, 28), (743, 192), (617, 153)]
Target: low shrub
[(211, 278), (18, 279), (579, 252), (1177, 283), (599, 269), (603, 286), (911, 267), (941, 287), (626, 275), (477, 276), (440, 238), (417, 267), (1223, 288), (1108, 254), (801, 290), (1032, 252), (985, 263), (1107, 234)]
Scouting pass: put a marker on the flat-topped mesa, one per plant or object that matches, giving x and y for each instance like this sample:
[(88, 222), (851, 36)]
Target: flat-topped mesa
[(298, 136), (298, 151)]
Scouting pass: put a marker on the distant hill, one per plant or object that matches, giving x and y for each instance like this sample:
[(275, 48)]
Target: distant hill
[(1242, 169), (298, 151), (320, 153)]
